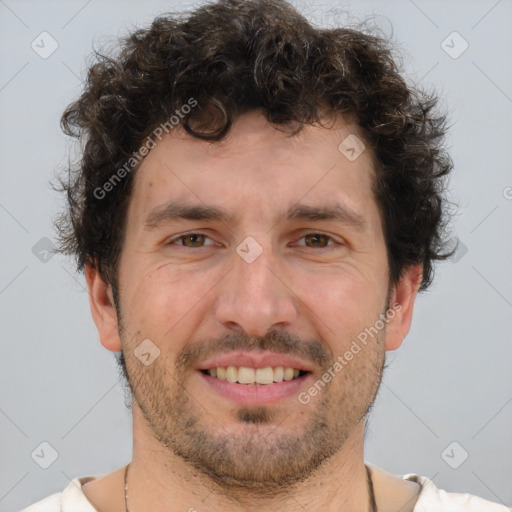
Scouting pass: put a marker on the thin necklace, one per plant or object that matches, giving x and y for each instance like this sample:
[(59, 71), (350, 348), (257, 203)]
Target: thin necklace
[(373, 505)]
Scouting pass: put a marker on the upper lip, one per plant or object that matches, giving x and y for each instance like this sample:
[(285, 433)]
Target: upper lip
[(254, 360)]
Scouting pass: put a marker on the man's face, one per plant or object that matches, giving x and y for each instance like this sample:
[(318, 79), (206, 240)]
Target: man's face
[(269, 286)]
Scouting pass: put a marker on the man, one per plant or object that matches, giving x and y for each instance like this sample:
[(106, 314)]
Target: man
[(257, 206)]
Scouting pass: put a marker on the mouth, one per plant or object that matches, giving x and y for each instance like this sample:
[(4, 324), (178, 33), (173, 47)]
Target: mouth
[(255, 376), (247, 386)]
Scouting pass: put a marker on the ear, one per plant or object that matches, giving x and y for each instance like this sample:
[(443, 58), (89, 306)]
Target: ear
[(402, 304), (103, 310)]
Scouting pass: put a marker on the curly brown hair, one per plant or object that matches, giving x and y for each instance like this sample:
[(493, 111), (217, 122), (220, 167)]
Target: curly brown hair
[(234, 56)]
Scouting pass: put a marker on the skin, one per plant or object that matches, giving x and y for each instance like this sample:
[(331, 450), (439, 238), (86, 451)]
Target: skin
[(193, 447)]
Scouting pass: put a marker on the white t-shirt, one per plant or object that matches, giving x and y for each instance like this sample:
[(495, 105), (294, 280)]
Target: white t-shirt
[(431, 499)]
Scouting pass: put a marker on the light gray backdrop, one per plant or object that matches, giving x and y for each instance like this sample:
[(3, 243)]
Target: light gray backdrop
[(449, 383)]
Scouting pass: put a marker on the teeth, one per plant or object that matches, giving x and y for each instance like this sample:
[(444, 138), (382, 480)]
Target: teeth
[(288, 373), (231, 374), (264, 375), (247, 375), (278, 374)]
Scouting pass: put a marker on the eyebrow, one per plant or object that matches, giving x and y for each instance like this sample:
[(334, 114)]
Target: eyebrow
[(337, 211), (184, 211)]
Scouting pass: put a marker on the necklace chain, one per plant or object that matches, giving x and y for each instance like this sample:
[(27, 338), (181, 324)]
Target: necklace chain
[(373, 505)]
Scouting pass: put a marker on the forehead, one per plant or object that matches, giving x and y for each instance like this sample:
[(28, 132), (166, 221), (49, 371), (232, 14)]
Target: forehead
[(256, 160)]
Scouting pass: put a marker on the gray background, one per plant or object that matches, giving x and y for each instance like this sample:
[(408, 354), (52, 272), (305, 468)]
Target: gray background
[(450, 381)]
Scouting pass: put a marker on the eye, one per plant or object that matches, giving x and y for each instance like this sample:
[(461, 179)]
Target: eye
[(196, 240), (317, 240), (190, 240)]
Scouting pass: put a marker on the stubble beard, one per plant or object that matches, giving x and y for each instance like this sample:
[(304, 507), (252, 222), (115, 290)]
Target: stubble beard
[(266, 458)]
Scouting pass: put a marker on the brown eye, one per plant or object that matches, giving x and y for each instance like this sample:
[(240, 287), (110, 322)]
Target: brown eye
[(191, 240), (317, 240)]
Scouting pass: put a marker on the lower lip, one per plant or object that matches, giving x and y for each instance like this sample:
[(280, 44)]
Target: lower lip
[(249, 394)]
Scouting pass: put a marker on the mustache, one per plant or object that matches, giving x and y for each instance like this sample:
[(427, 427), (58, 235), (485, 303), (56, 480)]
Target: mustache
[(274, 341)]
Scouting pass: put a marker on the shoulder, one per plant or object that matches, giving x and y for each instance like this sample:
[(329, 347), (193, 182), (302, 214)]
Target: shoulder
[(71, 499), (433, 499), (52, 503), (422, 495)]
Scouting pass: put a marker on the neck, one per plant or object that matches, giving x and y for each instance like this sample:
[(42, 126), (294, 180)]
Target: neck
[(158, 477)]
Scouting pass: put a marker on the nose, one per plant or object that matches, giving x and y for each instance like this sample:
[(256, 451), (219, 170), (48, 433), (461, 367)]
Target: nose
[(255, 296)]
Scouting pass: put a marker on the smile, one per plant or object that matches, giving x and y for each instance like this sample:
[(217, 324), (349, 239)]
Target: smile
[(259, 376)]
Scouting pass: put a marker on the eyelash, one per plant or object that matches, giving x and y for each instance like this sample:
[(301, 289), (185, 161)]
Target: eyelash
[(184, 235)]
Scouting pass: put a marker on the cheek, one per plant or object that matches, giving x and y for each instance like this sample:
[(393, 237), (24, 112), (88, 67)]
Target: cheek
[(341, 304), (164, 303)]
